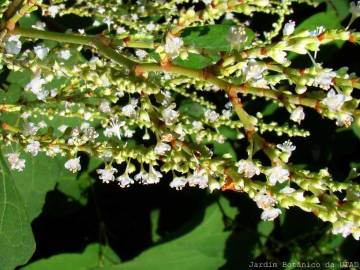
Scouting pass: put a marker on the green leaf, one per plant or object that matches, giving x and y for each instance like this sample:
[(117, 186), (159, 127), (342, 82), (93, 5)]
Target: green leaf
[(327, 19), (356, 129), (191, 108), (16, 239), (225, 150), (38, 177), (265, 228), (229, 133), (75, 188), (202, 248), (211, 37), (196, 61), (339, 7), (270, 109), (93, 257)]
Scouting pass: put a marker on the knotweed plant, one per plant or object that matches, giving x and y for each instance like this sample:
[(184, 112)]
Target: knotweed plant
[(113, 91)]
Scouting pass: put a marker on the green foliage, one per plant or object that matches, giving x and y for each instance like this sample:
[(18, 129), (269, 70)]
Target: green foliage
[(94, 257), (16, 240)]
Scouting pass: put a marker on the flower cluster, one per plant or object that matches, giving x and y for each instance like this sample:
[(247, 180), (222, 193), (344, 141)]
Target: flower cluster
[(160, 98)]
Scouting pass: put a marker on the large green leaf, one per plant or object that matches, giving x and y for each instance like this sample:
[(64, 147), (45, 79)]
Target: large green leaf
[(327, 19), (93, 257), (339, 7), (16, 239), (39, 176), (202, 248)]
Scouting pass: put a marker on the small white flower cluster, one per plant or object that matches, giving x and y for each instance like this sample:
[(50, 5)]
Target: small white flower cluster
[(247, 168), (334, 102), (345, 229), (169, 115), (33, 147), (173, 45), (198, 178), (289, 28), (277, 174), (114, 128), (266, 202), (237, 36), (161, 148), (16, 163), (36, 87), (73, 165), (298, 114), (13, 45)]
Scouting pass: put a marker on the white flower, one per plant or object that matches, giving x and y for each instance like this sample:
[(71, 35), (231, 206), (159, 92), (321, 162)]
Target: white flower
[(253, 70), (13, 45), (299, 196), (197, 125), (237, 36), (53, 10), (334, 101), (286, 147), (114, 129), (141, 176), (173, 45), (141, 54), (343, 228), (279, 56), (207, 2), (62, 128), (153, 177), (107, 174), (33, 147), (107, 21), (41, 51), (30, 129), (270, 214), (35, 86), (120, 30), (248, 168), (199, 178), (53, 151), (324, 79), (169, 115), (178, 183), (130, 109), (65, 54), (355, 9), (211, 115), (344, 119), (162, 148), (104, 107), (150, 27), (318, 31), (39, 25), (16, 163), (298, 115), (289, 28), (277, 174), (73, 165), (128, 133), (42, 124), (287, 190), (264, 200), (214, 185), (125, 180)]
